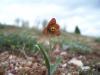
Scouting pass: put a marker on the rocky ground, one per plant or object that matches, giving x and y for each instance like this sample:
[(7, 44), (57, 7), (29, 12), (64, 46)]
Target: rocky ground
[(71, 64)]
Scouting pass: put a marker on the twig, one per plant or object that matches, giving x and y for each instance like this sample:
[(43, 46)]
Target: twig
[(23, 51)]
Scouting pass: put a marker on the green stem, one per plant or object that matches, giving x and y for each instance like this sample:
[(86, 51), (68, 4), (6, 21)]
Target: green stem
[(50, 44)]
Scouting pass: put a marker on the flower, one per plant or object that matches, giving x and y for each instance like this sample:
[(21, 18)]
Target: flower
[(52, 28)]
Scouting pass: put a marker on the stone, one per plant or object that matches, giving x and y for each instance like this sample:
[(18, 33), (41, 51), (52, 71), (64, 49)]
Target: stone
[(76, 62)]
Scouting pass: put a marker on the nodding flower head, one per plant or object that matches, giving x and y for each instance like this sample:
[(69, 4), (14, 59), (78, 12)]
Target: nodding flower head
[(52, 28)]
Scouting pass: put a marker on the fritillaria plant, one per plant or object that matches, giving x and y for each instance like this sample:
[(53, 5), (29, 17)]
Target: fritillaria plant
[(51, 30)]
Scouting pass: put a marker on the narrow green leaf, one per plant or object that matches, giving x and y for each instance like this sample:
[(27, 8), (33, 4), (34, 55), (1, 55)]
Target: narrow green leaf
[(54, 66), (47, 62)]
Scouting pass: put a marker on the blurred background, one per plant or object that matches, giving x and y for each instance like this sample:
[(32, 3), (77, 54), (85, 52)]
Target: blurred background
[(21, 32), (69, 14)]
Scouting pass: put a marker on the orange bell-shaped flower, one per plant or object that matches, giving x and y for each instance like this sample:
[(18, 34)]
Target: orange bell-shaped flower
[(52, 28)]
